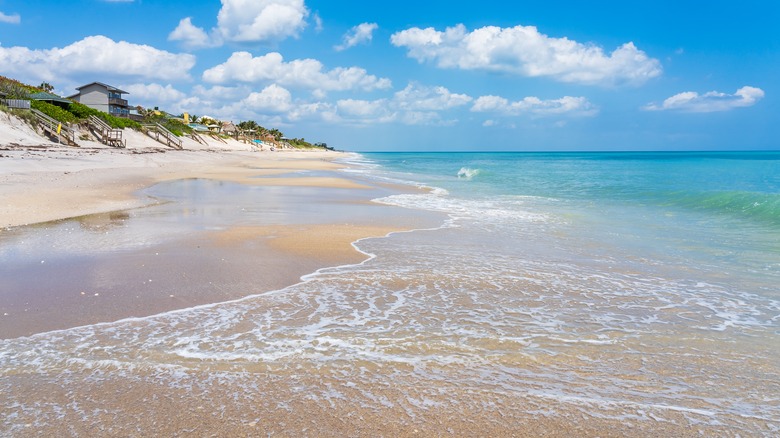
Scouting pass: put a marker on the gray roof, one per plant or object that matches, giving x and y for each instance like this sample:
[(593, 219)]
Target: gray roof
[(108, 87), (49, 97)]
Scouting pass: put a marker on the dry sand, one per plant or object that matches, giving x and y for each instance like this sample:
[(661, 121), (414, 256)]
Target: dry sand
[(42, 181)]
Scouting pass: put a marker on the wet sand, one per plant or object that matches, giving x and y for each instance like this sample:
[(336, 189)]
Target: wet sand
[(102, 266)]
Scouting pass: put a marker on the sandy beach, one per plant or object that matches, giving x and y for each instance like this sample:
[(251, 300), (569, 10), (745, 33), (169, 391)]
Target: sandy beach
[(44, 186), (221, 290)]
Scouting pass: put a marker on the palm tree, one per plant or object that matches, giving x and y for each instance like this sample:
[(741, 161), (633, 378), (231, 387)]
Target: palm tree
[(249, 125), (276, 133)]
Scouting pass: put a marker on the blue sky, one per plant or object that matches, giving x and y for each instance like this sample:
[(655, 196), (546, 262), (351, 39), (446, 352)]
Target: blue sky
[(426, 75)]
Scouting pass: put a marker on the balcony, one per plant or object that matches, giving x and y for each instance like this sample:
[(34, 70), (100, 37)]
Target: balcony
[(117, 101)]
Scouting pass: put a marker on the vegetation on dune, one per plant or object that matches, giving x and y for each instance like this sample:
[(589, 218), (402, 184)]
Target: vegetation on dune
[(13, 89), (54, 111), (77, 112), (177, 127), (83, 112), (74, 113), (260, 131)]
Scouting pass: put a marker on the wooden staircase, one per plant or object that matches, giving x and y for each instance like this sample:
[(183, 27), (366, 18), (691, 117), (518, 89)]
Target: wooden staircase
[(195, 136), (106, 134), (164, 136), (50, 127), (217, 137)]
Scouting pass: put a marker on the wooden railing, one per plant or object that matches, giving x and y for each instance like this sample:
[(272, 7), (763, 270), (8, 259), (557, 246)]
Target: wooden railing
[(195, 136), (106, 134), (55, 128), (164, 136)]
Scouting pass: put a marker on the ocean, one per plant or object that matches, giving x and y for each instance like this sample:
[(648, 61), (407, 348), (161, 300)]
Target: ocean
[(586, 293)]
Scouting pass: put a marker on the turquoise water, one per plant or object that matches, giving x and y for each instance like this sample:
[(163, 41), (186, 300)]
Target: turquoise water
[(703, 209), (627, 294)]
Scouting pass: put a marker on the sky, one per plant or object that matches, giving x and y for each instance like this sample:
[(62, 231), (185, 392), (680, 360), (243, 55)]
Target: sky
[(426, 75)]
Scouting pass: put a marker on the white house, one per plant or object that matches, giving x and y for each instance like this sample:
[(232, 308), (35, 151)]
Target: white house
[(103, 97)]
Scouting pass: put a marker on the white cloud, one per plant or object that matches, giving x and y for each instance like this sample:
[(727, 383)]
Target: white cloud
[(414, 105), (190, 35), (362, 33), (11, 19), (272, 98), (317, 23), (417, 97), (368, 110), (153, 93), (691, 101), (566, 105), (523, 50), (95, 56), (304, 73), (246, 21), (261, 20)]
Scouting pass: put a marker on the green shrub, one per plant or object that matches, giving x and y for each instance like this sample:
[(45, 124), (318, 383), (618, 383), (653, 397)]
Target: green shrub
[(14, 89), (54, 111), (83, 112)]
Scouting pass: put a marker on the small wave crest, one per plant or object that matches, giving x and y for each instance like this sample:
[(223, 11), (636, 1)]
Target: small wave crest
[(468, 173)]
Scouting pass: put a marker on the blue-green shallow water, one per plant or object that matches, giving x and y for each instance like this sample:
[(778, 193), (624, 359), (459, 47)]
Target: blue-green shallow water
[(702, 209), (564, 294)]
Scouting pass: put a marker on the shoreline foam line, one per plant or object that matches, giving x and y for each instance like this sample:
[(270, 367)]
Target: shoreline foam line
[(304, 279)]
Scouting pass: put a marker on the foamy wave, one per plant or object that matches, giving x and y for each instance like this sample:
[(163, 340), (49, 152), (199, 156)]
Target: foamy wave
[(506, 210), (467, 173)]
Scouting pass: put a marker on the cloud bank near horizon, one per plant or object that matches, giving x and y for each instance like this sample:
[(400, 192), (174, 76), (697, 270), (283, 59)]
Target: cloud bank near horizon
[(712, 101)]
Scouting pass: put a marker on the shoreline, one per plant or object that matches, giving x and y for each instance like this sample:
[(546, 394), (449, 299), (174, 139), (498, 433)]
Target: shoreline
[(69, 198)]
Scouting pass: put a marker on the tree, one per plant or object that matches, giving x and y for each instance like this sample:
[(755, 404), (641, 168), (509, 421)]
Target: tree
[(276, 133), (249, 125), (47, 87)]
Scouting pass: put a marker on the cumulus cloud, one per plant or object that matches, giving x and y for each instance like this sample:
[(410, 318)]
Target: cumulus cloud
[(154, 93), (523, 50), (95, 56), (362, 33), (691, 101), (190, 35), (418, 97), (261, 20), (246, 21), (414, 105), (533, 105), (303, 73), (373, 110), (272, 98), (11, 19)]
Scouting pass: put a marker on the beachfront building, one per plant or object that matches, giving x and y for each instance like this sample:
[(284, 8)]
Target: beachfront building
[(103, 97), (53, 99), (229, 128)]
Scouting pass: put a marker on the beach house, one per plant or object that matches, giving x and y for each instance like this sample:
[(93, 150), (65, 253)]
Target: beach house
[(103, 97)]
